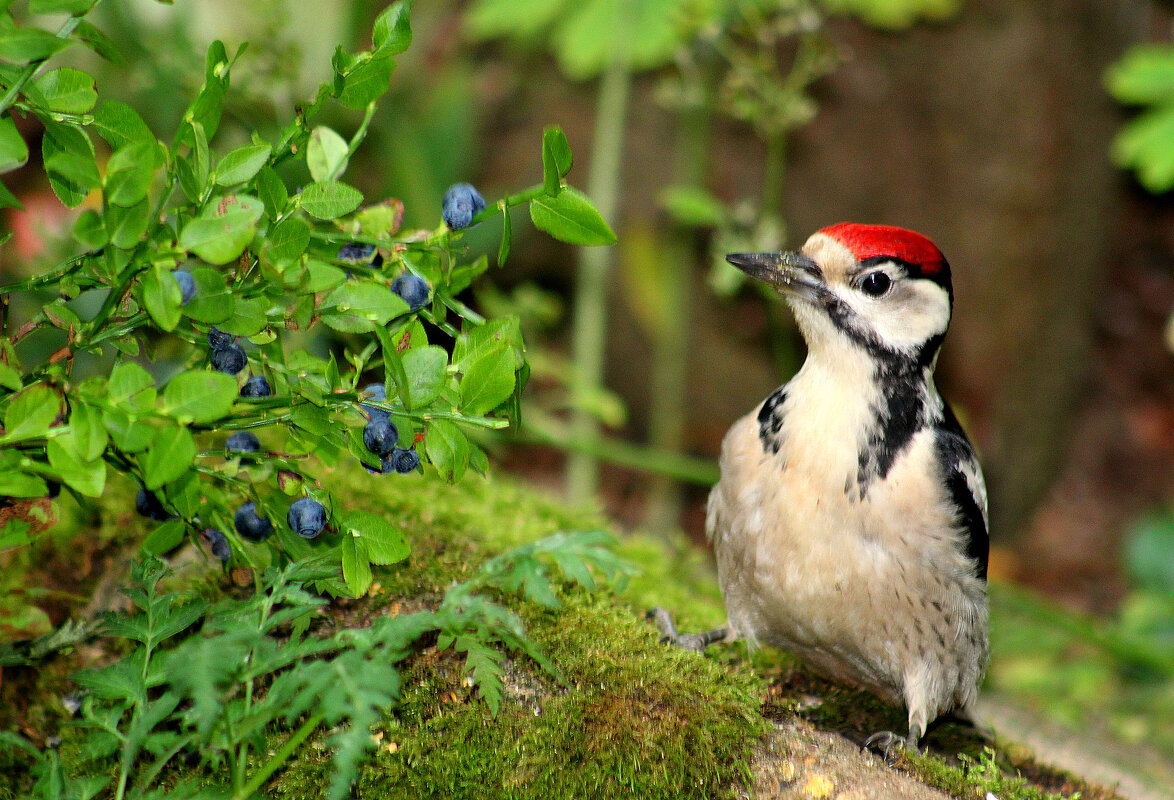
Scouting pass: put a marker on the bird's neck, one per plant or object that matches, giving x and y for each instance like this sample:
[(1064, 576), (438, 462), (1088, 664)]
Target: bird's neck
[(860, 410)]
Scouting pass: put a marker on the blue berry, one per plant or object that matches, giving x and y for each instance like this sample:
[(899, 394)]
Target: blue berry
[(380, 436), (413, 289), (256, 386), (148, 505), (461, 203), (187, 285), (376, 392), (401, 461), (307, 517), (229, 360), (242, 442), (218, 339), (218, 544), (249, 525), (356, 253)]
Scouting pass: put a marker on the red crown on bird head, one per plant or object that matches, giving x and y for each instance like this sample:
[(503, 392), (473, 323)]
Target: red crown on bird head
[(882, 242)]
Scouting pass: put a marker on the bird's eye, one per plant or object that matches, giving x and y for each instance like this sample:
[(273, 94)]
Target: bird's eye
[(875, 284)]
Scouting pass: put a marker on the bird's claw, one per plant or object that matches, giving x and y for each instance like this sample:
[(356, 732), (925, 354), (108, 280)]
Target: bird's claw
[(888, 745)]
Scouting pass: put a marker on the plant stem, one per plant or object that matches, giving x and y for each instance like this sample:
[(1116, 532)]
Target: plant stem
[(674, 465), (280, 757), (590, 321), (670, 346)]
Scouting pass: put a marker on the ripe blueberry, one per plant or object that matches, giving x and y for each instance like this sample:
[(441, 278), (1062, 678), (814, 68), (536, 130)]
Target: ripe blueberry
[(375, 391), (380, 436), (401, 461), (242, 442), (251, 526), (148, 505), (187, 285), (413, 289), (218, 544), (461, 203), (229, 360), (356, 253), (256, 386), (218, 339), (307, 517)]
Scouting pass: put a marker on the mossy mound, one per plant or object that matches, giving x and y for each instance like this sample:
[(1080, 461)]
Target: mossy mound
[(625, 717)]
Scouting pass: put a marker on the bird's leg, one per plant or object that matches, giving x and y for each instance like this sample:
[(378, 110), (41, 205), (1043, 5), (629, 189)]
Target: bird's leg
[(689, 641), (890, 745)]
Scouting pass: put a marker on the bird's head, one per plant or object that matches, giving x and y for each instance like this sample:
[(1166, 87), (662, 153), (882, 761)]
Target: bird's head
[(883, 288)]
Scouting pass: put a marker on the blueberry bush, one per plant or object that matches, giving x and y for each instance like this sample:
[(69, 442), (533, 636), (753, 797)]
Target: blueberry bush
[(236, 257), (218, 251)]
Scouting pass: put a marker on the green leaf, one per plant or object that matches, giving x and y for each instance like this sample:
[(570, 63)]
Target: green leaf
[(357, 307), (321, 277), (448, 449), (162, 297), (30, 413), (209, 103), (356, 569), (88, 432), (393, 367), (476, 340), (90, 230), (129, 172), (507, 236), (199, 396), (894, 14), (1144, 75), (165, 538), (492, 18), (8, 199), (171, 452), (248, 317), (242, 164), (570, 217), (131, 387), (556, 159), (588, 39), (1143, 144), (425, 368), (693, 206), (21, 484), (379, 540), (488, 380), (126, 226), (68, 156), (9, 377), (195, 169), (68, 91), (222, 232), (13, 150), (126, 431), (23, 45), (287, 241), (326, 154), (271, 189), (392, 31), (97, 41), (121, 126), (86, 477), (71, 7), (213, 301), (367, 81), (330, 200)]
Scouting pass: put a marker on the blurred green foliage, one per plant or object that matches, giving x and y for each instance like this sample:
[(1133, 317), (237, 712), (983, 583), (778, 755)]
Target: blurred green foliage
[(1144, 77)]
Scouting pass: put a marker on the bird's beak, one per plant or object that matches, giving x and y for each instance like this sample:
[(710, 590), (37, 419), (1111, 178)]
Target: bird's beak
[(792, 272)]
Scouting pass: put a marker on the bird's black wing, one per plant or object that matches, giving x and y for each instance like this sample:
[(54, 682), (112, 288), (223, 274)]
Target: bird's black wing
[(965, 485)]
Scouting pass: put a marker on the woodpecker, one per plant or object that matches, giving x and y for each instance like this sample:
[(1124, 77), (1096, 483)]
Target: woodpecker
[(850, 520)]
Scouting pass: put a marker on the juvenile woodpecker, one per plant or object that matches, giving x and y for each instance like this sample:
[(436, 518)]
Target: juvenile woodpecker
[(850, 521)]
